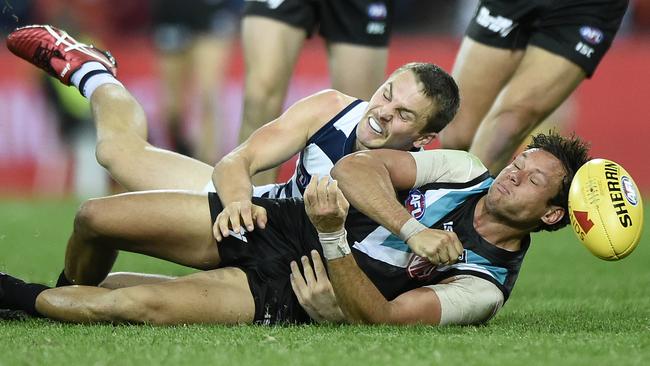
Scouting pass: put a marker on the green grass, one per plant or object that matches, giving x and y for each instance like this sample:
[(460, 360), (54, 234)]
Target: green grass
[(568, 308)]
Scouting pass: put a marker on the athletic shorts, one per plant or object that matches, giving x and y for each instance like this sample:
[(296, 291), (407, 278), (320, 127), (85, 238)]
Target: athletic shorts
[(176, 22), (361, 22), (579, 30), (265, 255)]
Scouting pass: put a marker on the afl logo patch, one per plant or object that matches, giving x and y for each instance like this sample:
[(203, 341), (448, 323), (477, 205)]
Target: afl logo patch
[(591, 35), (377, 11), (629, 191), (415, 203)]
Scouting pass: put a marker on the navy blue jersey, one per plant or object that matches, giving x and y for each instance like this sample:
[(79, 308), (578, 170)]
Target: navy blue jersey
[(330, 143)]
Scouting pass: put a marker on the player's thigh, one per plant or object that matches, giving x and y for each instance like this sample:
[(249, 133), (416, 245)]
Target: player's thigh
[(271, 48), (361, 77), (541, 83), (171, 225), (220, 296), (480, 72)]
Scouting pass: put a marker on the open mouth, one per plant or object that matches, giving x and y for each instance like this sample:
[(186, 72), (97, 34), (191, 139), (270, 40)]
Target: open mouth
[(374, 125)]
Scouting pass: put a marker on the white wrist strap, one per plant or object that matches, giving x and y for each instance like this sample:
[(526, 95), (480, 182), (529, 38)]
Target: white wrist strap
[(410, 228), (335, 245)]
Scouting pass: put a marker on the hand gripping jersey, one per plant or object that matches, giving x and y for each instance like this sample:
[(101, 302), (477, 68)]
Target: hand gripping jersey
[(329, 144), (445, 199)]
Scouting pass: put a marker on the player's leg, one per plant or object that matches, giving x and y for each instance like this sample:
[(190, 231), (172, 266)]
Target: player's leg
[(123, 150), (174, 71), (120, 120), (210, 55), (541, 83), (357, 33), (363, 76), (271, 48), (220, 296), (174, 226), (116, 280), (480, 72)]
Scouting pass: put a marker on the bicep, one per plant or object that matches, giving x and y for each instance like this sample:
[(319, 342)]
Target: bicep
[(451, 166), (280, 139)]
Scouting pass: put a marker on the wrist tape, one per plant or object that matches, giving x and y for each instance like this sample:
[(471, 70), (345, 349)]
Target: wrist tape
[(335, 245), (410, 228)]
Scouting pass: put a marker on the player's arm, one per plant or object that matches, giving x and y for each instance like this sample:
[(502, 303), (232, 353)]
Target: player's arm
[(369, 179), (269, 146), (361, 301)]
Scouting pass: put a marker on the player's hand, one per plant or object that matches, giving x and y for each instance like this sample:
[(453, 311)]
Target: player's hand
[(238, 214), (440, 247), (314, 290), (325, 204)]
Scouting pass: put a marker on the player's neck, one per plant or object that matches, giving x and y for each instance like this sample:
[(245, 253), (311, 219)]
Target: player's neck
[(495, 230)]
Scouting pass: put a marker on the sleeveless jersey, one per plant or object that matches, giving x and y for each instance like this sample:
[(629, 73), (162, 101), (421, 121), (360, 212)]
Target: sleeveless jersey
[(444, 205), (329, 144)]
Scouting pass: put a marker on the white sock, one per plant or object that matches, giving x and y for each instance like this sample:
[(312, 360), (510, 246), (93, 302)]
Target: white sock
[(92, 82)]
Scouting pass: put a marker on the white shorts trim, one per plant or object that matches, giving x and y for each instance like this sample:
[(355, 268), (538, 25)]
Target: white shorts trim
[(467, 299)]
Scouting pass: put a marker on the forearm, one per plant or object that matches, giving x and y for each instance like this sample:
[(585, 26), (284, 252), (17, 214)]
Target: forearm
[(359, 299), (232, 179)]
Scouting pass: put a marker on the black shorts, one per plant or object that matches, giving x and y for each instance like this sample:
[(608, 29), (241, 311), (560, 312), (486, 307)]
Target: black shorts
[(579, 30), (176, 22), (264, 255), (361, 22)]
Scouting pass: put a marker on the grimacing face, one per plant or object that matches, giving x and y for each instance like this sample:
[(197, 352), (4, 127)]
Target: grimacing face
[(395, 114), (522, 190)]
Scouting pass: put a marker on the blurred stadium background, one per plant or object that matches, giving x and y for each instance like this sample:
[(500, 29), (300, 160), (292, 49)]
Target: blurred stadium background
[(568, 309), (39, 158)]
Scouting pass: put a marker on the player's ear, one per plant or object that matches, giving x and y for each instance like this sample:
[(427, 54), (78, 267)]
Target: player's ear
[(553, 215), (424, 139)]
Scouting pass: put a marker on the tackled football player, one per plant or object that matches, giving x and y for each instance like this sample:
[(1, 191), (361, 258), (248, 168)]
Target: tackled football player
[(465, 214)]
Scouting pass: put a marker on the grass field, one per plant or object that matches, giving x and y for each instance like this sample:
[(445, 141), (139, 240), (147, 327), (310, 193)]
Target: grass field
[(568, 308)]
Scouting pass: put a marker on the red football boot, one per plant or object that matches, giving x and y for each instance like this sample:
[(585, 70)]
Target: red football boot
[(54, 51)]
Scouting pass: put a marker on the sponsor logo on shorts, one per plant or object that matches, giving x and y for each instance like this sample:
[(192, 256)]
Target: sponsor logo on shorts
[(495, 23), (584, 49), (415, 203), (631, 195), (376, 28), (591, 35), (377, 11)]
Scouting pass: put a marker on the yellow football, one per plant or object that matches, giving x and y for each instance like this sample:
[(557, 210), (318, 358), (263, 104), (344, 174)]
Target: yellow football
[(605, 209)]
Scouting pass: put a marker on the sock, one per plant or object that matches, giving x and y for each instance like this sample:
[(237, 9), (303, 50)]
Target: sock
[(63, 280), (91, 76), (19, 295)]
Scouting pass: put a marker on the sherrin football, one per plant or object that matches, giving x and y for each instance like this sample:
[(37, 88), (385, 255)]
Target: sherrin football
[(605, 209)]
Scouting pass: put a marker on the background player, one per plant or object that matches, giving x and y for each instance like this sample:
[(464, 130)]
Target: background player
[(273, 32), (518, 62)]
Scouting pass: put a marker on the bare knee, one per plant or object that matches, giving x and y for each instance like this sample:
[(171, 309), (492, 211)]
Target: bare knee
[(86, 221), (119, 149)]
